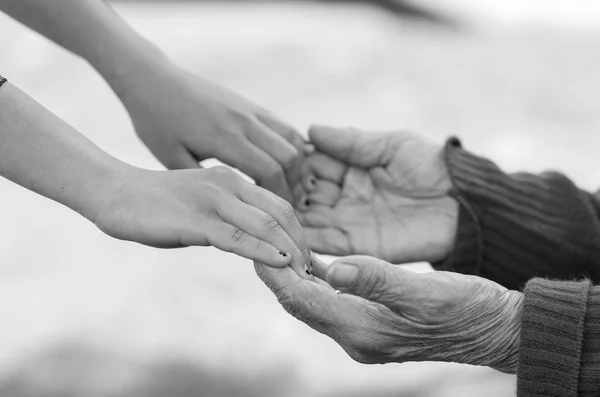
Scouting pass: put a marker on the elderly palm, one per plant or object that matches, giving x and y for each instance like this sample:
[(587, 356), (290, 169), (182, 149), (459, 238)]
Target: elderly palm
[(380, 194)]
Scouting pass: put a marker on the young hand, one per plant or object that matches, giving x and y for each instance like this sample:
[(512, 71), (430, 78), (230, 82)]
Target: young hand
[(184, 119), (213, 206)]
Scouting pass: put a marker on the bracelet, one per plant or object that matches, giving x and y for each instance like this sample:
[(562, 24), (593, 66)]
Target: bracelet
[(2, 81)]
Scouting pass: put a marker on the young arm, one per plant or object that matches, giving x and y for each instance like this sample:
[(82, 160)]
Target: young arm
[(158, 208), (182, 118)]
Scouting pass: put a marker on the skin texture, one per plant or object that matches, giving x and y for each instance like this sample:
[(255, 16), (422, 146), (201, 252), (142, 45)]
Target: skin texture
[(379, 194), (164, 209), (388, 314), (182, 118)]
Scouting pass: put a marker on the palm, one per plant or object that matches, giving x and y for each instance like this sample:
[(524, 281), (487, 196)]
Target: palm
[(397, 210)]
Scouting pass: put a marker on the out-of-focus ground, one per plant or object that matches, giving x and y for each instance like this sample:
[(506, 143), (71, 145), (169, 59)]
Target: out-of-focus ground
[(84, 315)]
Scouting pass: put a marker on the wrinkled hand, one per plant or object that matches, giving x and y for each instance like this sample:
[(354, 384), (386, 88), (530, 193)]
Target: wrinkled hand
[(380, 194), (388, 314), (184, 119), (213, 206)]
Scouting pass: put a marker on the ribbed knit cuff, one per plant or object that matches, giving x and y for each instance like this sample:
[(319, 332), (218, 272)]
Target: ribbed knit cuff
[(515, 227), (553, 336), (589, 373), (467, 254)]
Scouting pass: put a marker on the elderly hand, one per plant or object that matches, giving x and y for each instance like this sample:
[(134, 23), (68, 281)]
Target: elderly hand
[(213, 206), (184, 119), (388, 314), (380, 194)]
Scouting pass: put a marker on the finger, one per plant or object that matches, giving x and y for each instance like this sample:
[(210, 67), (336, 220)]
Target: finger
[(298, 298), (325, 193), (329, 241), (309, 149), (372, 279), (263, 226), (230, 238), (288, 132), (258, 165), (181, 159), (325, 167), (277, 147), (308, 179), (319, 267), (291, 135), (355, 147), (317, 216), (284, 214)]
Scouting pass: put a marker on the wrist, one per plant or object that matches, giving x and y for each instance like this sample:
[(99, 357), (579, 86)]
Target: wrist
[(131, 62), (501, 334), (102, 187)]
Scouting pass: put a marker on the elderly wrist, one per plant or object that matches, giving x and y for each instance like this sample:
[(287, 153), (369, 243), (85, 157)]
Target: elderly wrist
[(499, 328)]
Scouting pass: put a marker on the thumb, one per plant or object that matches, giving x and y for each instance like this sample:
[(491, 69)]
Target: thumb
[(371, 279), (359, 148)]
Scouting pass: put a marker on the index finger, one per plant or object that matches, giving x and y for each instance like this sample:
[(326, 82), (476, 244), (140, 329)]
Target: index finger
[(284, 214), (258, 165)]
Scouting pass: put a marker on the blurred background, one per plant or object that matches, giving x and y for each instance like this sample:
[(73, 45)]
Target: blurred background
[(84, 315)]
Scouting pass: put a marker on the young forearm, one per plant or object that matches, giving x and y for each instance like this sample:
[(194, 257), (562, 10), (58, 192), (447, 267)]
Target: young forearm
[(92, 30), (42, 153)]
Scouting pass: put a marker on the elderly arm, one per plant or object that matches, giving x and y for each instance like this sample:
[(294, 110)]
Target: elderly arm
[(513, 227), (182, 118)]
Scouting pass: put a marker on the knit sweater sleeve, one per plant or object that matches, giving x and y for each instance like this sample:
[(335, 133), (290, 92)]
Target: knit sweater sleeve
[(559, 352), (514, 227)]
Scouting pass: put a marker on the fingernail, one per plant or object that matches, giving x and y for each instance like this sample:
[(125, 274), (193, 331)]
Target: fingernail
[(309, 149), (311, 182), (283, 254), (303, 203), (342, 275), (307, 271)]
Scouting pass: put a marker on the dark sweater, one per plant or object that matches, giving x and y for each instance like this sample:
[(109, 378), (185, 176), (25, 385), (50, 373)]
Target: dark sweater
[(515, 227)]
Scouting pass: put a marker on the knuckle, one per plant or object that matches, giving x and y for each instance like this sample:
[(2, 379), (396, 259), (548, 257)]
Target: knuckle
[(222, 172), (274, 172), (271, 224), (287, 211), (289, 158), (374, 284), (239, 236), (287, 301)]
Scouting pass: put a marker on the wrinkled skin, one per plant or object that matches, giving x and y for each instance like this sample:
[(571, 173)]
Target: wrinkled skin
[(379, 194), (393, 315)]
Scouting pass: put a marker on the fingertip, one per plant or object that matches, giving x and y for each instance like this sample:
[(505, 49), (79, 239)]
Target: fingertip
[(319, 267), (309, 149), (282, 259), (310, 183), (316, 131)]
